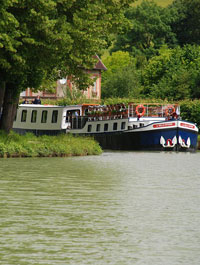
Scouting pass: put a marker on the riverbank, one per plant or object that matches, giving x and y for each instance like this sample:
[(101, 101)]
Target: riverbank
[(15, 145), (198, 142)]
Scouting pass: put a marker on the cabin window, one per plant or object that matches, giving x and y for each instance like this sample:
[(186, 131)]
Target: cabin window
[(34, 116), (44, 116), (89, 129), (115, 126), (72, 113), (98, 127), (86, 112), (76, 113), (54, 116), (24, 115), (123, 125), (68, 115), (106, 127)]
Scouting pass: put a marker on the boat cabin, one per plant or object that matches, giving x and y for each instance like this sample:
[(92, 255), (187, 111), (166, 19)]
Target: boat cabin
[(89, 118), (49, 119)]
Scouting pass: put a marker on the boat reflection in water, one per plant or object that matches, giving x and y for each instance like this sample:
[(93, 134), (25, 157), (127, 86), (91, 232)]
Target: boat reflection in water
[(117, 127)]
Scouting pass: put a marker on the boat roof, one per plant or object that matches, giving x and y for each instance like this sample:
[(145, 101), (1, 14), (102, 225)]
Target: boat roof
[(154, 104), (56, 106), (40, 106)]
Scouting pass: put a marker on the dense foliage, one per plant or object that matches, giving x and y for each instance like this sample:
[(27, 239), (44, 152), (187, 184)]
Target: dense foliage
[(190, 111), (163, 53), (121, 78), (173, 74), (149, 29), (48, 39), (154, 51), (187, 23)]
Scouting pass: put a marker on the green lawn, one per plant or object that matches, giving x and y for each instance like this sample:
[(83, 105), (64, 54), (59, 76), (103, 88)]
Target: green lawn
[(163, 3), (28, 145)]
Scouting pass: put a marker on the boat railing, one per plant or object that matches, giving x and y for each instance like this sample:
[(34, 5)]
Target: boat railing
[(118, 112), (78, 122), (132, 110), (152, 110)]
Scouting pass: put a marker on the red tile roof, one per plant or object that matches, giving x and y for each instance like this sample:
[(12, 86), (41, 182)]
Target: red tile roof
[(99, 65)]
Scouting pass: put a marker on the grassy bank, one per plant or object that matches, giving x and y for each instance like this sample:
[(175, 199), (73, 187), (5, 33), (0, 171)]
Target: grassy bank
[(14, 145)]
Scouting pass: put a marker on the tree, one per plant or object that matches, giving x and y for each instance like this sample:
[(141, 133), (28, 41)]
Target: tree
[(174, 74), (115, 62), (45, 38), (122, 78), (186, 26), (123, 83), (149, 29)]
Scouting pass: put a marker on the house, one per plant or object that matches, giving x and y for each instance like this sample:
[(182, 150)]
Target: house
[(92, 92)]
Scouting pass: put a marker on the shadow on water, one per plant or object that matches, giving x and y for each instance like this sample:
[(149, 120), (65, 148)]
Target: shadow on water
[(117, 208)]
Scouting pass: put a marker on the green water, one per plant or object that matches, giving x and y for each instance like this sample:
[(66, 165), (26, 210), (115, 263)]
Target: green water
[(117, 208)]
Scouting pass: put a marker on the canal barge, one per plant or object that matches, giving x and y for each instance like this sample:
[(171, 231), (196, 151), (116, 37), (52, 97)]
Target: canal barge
[(117, 127)]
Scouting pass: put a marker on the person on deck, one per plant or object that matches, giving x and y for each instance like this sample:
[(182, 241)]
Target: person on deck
[(37, 100), (25, 101)]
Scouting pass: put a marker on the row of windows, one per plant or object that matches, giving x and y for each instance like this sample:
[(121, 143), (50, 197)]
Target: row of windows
[(98, 127), (54, 116)]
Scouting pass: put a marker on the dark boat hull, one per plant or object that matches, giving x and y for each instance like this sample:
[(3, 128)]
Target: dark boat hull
[(148, 140)]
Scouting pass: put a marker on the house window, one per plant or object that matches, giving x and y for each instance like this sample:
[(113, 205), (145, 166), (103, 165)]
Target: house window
[(106, 127), (98, 127), (44, 116), (54, 116), (114, 126), (123, 125), (34, 116), (89, 128), (94, 87), (94, 90), (24, 115)]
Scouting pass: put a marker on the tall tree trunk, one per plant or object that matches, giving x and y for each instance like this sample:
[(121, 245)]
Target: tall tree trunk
[(14, 109), (11, 98), (2, 91)]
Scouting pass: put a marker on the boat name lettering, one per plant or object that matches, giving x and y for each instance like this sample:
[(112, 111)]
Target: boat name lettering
[(164, 125), (187, 125)]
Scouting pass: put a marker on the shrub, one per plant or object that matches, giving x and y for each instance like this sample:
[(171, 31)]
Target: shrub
[(190, 110), (2, 149), (29, 145)]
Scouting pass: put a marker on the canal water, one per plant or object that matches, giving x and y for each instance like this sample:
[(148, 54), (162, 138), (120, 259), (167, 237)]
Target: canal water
[(118, 208)]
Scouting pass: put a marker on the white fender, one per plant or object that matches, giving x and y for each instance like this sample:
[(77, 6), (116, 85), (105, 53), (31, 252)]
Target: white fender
[(188, 142), (183, 144), (174, 141), (164, 144), (162, 141), (180, 140)]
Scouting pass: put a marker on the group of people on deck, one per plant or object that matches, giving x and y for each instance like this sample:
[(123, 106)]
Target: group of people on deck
[(37, 100)]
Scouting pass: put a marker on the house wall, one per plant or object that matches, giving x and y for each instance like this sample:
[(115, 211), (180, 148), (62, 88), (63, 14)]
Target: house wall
[(92, 92)]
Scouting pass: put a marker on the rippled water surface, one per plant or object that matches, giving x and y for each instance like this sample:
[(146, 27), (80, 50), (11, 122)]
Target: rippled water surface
[(118, 208)]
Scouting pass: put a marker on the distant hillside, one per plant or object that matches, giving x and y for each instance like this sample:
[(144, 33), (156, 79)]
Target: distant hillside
[(159, 2)]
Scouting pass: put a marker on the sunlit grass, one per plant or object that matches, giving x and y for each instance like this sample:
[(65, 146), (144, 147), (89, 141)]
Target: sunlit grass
[(162, 3), (15, 145)]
